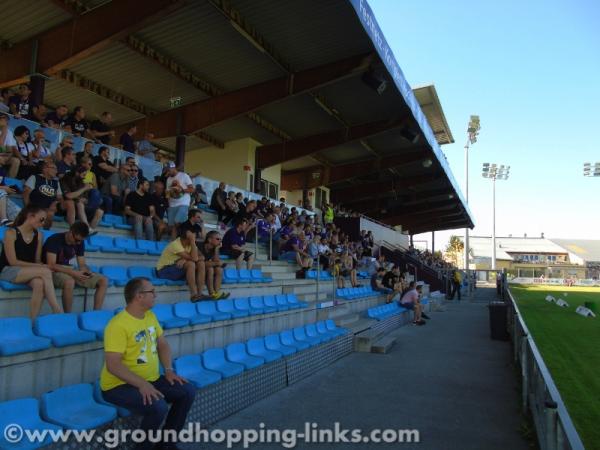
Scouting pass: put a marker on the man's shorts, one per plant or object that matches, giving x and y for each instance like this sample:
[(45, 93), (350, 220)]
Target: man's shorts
[(59, 279), (171, 272), (177, 214), (235, 254), (409, 306)]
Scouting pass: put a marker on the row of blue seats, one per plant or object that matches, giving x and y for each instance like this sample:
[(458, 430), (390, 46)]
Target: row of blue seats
[(356, 292), (60, 330), (391, 309), (81, 406), (120, 275), (323, 276)]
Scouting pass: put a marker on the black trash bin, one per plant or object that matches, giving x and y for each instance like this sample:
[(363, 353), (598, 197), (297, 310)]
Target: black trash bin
[(498, 321)]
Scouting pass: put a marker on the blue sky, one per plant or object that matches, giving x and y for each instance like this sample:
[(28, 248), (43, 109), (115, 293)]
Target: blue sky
[(531, 71)]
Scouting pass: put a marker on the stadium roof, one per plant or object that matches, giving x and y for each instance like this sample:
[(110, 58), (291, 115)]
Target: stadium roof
[(314, 82), (480, 246), (431, 106), (586, 249)]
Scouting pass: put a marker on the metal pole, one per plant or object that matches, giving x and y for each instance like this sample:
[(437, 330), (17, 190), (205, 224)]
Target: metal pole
[(466, 246), (256, 242), (270, 246), (318, 275), (494, 223)]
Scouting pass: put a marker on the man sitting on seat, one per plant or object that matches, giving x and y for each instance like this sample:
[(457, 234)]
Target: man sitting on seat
[(377, 285), (180, 261), (234, 243), (43, 190), (59, 249), (139, 210), (133, 347), (214, 266), (194, 224), (411, 300)]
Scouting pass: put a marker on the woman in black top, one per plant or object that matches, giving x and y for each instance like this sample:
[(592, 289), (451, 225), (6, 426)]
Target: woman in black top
[(21, 259)]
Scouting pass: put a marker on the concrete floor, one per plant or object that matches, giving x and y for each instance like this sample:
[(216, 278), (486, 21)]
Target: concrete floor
[(447, 379)]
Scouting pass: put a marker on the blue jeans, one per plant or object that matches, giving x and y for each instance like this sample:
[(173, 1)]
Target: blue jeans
[(94, 199), (180, 396), (139, 227)]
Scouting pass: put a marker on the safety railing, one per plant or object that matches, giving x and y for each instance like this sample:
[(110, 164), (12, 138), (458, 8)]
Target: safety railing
[(554, 427)]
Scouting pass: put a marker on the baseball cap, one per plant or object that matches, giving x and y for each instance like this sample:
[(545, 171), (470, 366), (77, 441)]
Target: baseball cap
[(170, 165)]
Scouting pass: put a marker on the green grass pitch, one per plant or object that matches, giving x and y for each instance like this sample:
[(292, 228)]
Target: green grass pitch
[(570, 346)]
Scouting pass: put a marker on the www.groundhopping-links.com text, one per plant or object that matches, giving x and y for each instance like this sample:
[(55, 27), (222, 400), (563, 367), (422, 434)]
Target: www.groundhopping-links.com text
[(194, 433)]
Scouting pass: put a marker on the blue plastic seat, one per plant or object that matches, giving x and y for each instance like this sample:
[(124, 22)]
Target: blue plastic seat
[(331, 326), (95, 321), (14, 181), (271, 302), (259, 277), (146, 272), (245, 276), (283, 303), (190, 367), (74, 408), (118, 222), (117, 275), (311, 274), (300, 336), (122, 412), (243, 304), (148, 246), (273, 343), (25, 413), (257, 302), (209, 308), (236, 353), (47, 233), (188, 310), (287, 338), (311, 331), (293, 300), (129, 245), (10, 287), (256, 347), (62, 330), (166, 318), (230, 276), (16, 336), (227, 306), (322, 329), (214, 359), (104, 243)]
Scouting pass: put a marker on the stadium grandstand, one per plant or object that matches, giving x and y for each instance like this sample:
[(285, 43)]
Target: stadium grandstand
[(246, 177)]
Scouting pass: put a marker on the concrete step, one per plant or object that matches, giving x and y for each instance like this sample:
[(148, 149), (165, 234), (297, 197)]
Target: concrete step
[(383, 345), (364, 340), (347, 319), (361, 324)]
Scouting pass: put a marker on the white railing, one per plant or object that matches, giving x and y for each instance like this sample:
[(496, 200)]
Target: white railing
[(554, 281), (554, 427)]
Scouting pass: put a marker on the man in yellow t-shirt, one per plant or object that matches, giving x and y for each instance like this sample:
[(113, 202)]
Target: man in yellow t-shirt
[(133, 346)]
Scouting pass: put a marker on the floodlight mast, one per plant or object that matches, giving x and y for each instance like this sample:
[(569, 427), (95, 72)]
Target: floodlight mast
[(494, 172), (472, 133)]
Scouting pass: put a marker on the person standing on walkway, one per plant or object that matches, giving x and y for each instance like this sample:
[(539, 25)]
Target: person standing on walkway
[(456, 282)]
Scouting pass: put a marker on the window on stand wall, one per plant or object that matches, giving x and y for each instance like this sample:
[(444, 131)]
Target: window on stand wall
[(268, 189), (321, 197)]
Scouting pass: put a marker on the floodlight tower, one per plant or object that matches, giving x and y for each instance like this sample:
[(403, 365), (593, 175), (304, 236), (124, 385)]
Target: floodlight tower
[(494, 172), (591, 170), (472, 133)]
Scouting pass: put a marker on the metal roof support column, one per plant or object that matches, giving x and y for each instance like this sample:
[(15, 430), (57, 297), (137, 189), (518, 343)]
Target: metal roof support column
[(180, 151)]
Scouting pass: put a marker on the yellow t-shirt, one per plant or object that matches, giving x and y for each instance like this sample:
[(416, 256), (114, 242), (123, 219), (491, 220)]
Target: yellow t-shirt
[(90, 178), (169, 255), (136, 339)]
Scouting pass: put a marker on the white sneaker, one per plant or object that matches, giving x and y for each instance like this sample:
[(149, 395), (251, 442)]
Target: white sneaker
[(92, 231)]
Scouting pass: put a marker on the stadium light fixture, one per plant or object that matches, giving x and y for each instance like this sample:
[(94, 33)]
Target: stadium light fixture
[(494, 172), (591, 170), (472, 133)]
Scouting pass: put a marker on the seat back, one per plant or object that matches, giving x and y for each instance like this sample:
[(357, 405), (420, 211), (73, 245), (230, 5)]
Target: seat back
[(299, 333), (125, 243), (273, 341), (213, 357), (236, 351), (281, 299), (55, 324), (256, 302), (311, 329), (330, 324), (113, 219), (94, 320), (241, 303), (270, 300), (163, 312), (187, 364), (114, 272), (185, 309), (291, 298), (230, 273), (287, 337), (144, 244), (141, 271), (74, 396), (245, 274), (321, 327), (225, 305), (206, 307), (21, 411), (255, 345), (101, 241), (15, 328), (256, 273), (160, 245)]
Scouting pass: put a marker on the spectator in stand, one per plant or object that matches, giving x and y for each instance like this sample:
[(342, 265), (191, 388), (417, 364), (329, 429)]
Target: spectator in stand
[(218, 203), (145, 148), (139, 210), (39, 115), (179, 187), (295, 249), (134, 345), (377, 285), (100, 129), (132, 163), (40, 149), (328, 213), (411, 301), (117, 188), (24, 150), (231, 207), (8, 148), (58, 118), (4, 100), (76, 192), (267, 234), (126, 139), (261, 207), (103, 166), (161, 204), (214, 266), (234, 243), (78, 124), (239, 198), (22, 105), (43, 190), (21, 259), (199, 196), (134, 178), (349, 265), (58, 251), (195, 224), (67, 163), (88, 147), (66, 142), (180, 261)]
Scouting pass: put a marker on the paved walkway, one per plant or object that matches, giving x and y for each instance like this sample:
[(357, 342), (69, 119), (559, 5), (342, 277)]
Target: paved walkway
[(447, 379)]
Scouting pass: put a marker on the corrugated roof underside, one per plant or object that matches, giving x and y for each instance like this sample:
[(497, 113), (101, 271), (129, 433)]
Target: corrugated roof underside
[(26, 18)]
